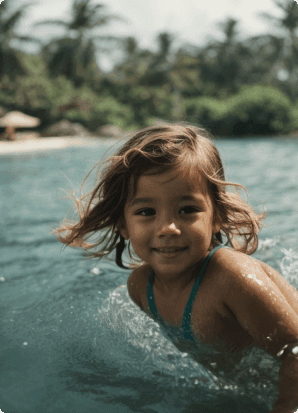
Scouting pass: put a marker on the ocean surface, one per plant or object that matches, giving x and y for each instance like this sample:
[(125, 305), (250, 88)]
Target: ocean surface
[(71, 340)]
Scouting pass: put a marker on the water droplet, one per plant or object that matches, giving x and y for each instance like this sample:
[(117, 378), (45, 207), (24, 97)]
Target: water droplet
[(95, 271)]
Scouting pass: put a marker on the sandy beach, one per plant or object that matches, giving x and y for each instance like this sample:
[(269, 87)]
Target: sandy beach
[(41, 144)]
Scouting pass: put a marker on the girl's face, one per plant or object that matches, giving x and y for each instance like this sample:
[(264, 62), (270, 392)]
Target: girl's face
[(167, 219)]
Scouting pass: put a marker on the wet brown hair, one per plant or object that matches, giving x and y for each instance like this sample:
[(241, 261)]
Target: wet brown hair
[(184, 147)]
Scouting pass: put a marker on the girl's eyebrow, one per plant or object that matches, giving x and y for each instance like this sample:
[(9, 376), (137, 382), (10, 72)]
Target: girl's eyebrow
[(137, 201)]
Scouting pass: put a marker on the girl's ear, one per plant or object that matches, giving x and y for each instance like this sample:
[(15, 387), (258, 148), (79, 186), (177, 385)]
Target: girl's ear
[(216, 224), (216, 228), (123, 231)]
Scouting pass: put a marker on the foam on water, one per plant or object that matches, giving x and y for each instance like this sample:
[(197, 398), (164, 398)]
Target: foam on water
[(146, 351), (289, 266)]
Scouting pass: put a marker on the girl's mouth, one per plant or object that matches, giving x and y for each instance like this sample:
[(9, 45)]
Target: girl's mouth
[(167, 253)]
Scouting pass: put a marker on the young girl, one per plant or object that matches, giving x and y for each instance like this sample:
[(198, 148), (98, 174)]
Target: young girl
[(164, 191)]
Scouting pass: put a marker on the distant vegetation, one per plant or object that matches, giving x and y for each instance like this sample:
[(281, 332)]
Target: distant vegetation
[(232, 87)]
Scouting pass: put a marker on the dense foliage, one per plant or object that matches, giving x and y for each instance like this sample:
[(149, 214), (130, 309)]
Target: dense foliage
[(233, 87)]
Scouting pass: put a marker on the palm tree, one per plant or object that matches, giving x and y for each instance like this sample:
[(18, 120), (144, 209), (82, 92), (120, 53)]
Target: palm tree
[(178, 70), (287, 57), (263, 64), (167, 66), (10, 62), (134, 64), (75, 55), (223, 63)]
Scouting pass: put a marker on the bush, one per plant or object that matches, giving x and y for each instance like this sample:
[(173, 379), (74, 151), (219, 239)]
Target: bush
[(109, 111), (147, 103), (294, 114), (39, 96), (207, 112), (255, 110), (55, 99), (259, 110)]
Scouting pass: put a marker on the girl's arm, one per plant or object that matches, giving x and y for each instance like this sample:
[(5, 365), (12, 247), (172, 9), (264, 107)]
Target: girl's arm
[(263, 311)]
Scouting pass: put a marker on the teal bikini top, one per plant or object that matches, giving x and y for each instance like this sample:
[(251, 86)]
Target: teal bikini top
[(185, 330)]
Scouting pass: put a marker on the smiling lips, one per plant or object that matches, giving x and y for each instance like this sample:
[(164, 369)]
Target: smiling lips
[(173, 249)]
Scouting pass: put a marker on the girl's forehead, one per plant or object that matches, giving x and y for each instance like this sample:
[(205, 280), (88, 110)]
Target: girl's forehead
[(146, 185), (173, 178)]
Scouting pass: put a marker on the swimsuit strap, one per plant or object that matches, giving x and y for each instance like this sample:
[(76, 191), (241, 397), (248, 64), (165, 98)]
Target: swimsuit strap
[(185, 325), (150, 296)]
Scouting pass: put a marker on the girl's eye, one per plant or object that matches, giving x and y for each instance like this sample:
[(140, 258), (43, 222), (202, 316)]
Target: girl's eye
[(150, 211), (144, 212), (188, 209)]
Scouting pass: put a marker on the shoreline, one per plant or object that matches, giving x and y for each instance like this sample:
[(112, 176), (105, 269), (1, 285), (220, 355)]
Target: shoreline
[(24, 146), (44, 144)]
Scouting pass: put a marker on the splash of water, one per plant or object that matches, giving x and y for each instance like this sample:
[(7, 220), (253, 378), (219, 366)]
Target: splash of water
[(139, 344), (289, 266)]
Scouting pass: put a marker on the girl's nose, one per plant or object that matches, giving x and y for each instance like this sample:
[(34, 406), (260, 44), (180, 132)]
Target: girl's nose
[(168, 229)]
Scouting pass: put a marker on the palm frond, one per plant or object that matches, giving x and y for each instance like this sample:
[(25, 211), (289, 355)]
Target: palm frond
[(107, 38), (3, 7), (267, 16), (27, 39), (285, 5), (9, 24), (104, 20), (98, 6), (53, 22)]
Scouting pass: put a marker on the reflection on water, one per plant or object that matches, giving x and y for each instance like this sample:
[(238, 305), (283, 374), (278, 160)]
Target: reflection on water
[(72, 340)]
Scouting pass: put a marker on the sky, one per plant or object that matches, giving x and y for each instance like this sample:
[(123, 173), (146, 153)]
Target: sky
[(191, 21)]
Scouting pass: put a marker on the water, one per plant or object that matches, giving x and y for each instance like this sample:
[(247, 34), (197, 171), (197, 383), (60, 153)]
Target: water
[(71, 340)]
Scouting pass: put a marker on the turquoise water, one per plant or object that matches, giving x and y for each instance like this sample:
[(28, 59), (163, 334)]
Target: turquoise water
[(71, 340)]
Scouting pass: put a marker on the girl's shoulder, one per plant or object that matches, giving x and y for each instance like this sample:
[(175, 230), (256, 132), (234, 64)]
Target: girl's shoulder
[(237, 269), (258, 297), (243, 270), (228, 265), (240, 273)]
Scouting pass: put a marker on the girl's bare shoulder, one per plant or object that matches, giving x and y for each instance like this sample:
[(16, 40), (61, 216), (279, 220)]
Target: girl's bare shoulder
[(243, 270), (240, 266), (228, 259), (263, 303)]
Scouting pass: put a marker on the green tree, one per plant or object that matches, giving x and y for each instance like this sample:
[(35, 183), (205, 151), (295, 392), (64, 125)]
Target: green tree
[(287, 58), (174, 68), (134, 65), (10, 61), (223, 64), (175, 71), (262, 65), (124, 83), (74, 56)]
